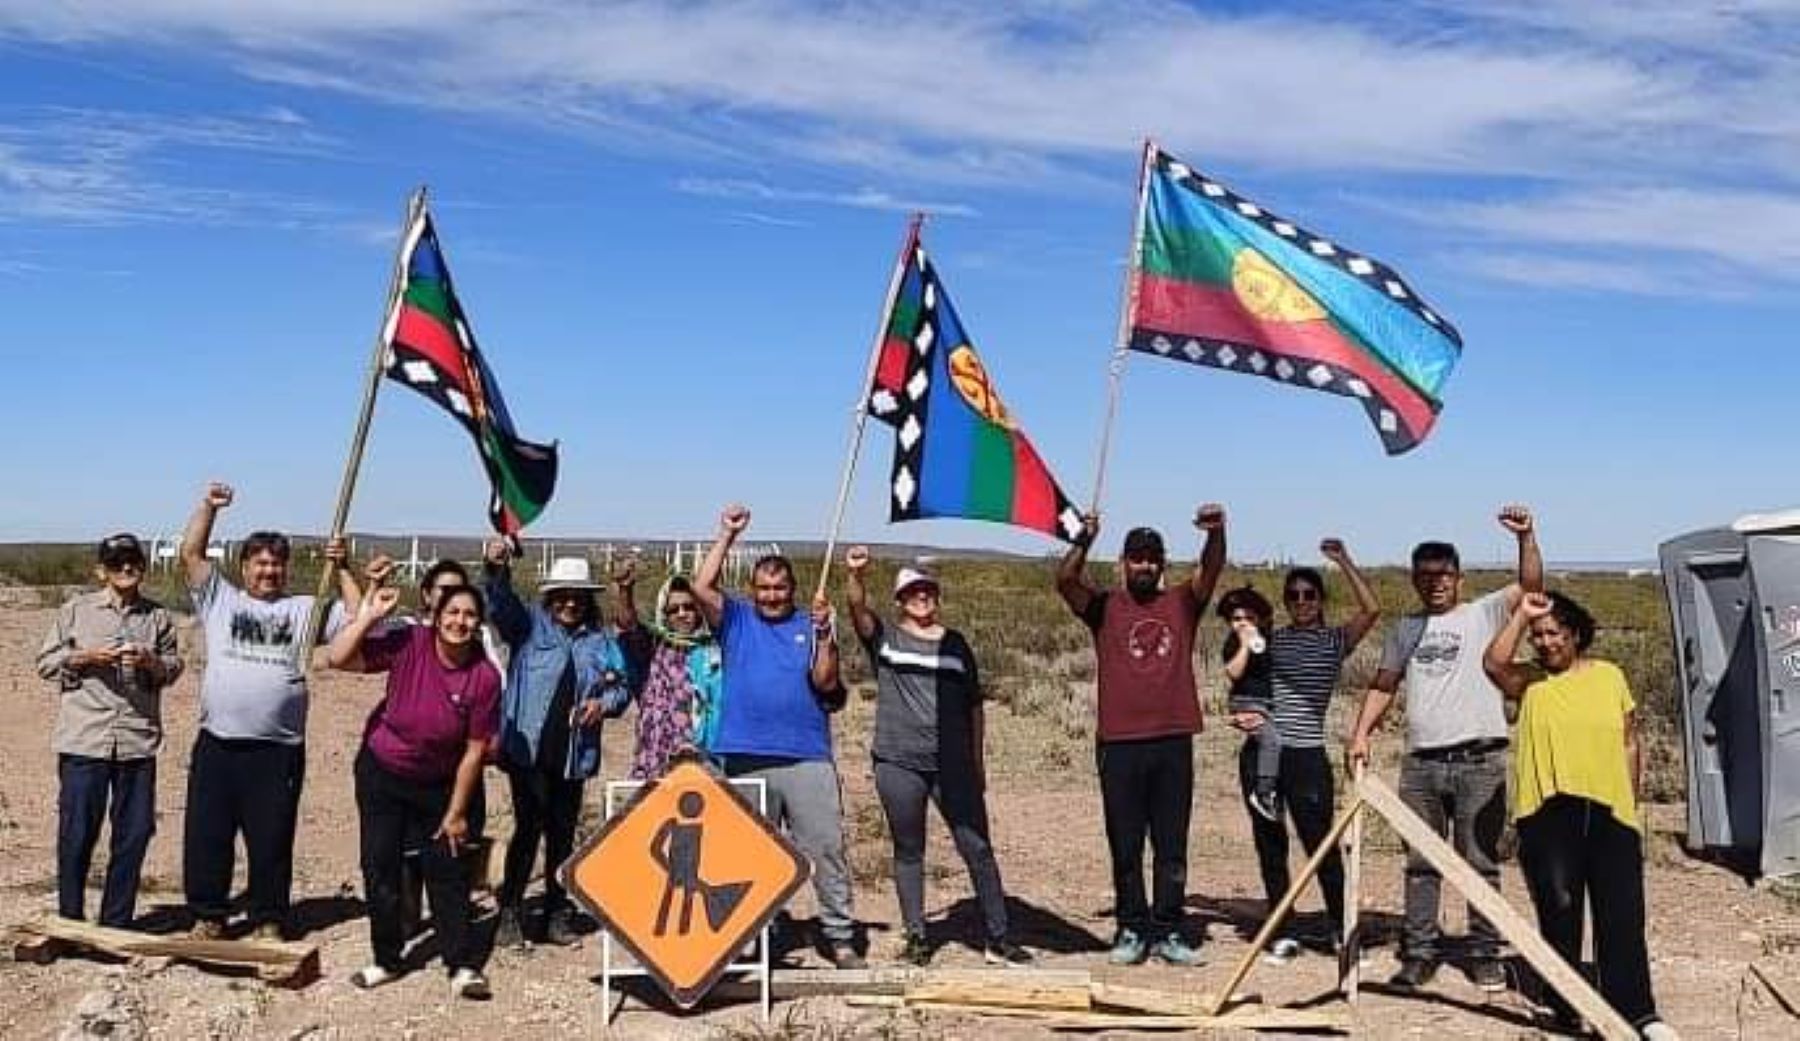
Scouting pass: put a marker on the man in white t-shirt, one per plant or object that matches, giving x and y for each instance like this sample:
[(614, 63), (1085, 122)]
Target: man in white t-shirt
[(1454, 772)]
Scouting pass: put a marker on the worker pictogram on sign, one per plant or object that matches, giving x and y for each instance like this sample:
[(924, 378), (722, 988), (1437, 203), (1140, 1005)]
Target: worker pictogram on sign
[(684, 877)]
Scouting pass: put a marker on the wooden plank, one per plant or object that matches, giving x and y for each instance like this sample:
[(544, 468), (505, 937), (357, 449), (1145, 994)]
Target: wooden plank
[(288, 964), (1523, 935), (1279, 915), (790, 984), (1006, 992), (1787, 996), (1350, 944), (1056, 1019), (1119, 997)]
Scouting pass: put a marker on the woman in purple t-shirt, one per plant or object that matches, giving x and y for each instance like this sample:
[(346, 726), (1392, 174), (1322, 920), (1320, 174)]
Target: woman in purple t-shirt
[(420, 761)]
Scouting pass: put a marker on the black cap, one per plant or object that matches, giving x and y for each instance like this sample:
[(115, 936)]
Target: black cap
[(1144, 542), (123, 548)]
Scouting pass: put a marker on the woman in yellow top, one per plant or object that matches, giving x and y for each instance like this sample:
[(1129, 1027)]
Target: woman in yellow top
[(1575, 780)]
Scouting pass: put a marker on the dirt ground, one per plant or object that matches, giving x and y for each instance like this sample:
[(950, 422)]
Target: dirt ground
[(1705, 928)]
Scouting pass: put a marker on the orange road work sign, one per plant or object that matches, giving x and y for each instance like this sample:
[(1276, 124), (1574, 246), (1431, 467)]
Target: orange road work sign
[(684, 877)]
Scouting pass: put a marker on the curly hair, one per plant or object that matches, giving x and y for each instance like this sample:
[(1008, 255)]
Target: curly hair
[(1245, 598), (1575, 618)]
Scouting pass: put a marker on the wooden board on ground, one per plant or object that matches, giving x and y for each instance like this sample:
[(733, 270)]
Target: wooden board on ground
[(790, 984), (1522, 934), (1007, 993), (1784, 986), (1116, 997), (1059, 1019), (286, 964)]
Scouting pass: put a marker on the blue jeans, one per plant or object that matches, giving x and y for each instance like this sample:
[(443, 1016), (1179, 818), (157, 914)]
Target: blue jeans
[(87, 786)]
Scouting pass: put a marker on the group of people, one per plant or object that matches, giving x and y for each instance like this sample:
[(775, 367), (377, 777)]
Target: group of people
[(747, 684)]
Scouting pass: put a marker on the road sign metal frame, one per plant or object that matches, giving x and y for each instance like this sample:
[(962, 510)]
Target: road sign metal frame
[(619, 795)]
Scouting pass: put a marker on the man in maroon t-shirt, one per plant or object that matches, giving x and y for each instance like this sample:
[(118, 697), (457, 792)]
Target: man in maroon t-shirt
[(1149, 713)]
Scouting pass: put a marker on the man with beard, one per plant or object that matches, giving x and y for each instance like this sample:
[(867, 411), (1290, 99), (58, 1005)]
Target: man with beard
[(1149, 713)]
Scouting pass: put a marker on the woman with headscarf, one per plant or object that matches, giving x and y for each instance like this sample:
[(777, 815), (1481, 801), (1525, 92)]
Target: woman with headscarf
[(678, 707)]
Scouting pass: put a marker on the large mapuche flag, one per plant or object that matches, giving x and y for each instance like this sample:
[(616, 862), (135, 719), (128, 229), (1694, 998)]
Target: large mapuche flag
[(958, 452), (431, 349), (1223, 282)]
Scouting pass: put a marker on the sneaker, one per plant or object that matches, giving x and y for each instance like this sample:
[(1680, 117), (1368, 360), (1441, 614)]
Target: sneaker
[(917, 951), (371, 976), (470, 985), (560, 931), (507, 931), (207, 929), (1128, 949), (1007, 953), (1285, 949), (1657, 1030), (1266, 804), (1173, 950), (844, 956), (269, 931), (1489, 975), (1414, 973)]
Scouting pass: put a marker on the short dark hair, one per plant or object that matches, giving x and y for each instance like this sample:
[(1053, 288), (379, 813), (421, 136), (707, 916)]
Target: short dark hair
[(680, 584), (777, 563), (468, 591), (1436, 553), (1309, 575), (1573, 617), (441, 568), (1245, 598), (265, 541)]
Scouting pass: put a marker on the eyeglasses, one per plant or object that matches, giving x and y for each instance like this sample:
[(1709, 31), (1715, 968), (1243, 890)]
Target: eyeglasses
[(122, 566), (1434, 575), (1301, 594)]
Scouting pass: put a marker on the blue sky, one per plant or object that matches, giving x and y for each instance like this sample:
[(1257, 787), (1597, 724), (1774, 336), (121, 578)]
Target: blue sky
[(672, 225)]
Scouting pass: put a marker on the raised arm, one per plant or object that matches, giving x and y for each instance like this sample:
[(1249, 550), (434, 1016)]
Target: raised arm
[(1071, 572), (350, 591), (732, 522), (1497, 660), (511, 618), (1209, 518), (1518, 520), (824, 672), (198, 533), (856, 592), (345, 650), (1368, 609)]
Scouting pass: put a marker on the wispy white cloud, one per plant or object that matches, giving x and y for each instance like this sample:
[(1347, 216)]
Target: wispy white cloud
[(859, 199), (1545, 270)]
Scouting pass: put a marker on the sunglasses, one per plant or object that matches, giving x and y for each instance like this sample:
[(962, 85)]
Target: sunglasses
[(128, 564), (1300, 594), (681, 609)]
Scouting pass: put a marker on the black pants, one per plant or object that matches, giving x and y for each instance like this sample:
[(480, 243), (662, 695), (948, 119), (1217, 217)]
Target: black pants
[(398, 814), (412, 874), (1576, 855), (246, 786), (86, 787), (1147, 787), (546, 808), (904, 793), (1307, 790)]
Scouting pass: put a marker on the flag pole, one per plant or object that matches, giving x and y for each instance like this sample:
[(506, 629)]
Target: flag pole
[(860, 416), (415, 208), (1128, 303)]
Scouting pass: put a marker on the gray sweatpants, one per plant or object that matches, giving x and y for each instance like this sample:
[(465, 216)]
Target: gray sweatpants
[(803, 796)]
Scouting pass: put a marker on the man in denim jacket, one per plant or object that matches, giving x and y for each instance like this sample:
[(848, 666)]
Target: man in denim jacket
[(568, 672)]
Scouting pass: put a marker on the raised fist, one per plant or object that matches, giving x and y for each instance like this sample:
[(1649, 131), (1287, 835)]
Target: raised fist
[(734, 519), (1334, 551), (1210, 517), (624, 571), (497, 552), (382, 602), (219, 495), (857, 560), (1536, 605), (337, 550), (1517, 519)]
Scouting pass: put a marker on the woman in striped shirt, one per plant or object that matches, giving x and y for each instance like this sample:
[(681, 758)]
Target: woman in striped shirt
[(1306, 656)]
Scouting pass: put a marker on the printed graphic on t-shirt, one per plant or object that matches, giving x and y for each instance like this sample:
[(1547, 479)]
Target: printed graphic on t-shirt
[(1149, 644), (266, 638), (1437, 653)]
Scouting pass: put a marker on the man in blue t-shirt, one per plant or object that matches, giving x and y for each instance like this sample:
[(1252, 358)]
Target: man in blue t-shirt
[(781, 685)]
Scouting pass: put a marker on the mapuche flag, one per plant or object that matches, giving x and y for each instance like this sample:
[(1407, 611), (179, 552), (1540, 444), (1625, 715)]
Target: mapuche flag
[(1221, 281), (431, 349), (958, 452)]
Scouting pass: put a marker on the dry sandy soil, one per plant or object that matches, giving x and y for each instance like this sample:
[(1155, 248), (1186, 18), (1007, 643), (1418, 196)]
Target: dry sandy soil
[(1706, 927)]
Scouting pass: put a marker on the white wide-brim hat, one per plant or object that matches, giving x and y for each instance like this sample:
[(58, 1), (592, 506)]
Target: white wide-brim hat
[(568, 573)]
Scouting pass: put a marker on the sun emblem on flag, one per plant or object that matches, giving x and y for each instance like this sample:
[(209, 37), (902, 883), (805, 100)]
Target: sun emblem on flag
[(1268, 293), (971, 379)]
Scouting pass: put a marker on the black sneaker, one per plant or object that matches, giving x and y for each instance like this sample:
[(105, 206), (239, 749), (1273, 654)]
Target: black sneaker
[(917, 951), (1007, 953), (560, 931), (844, 956), (508, 932), (1414, 973), (1489, 975)]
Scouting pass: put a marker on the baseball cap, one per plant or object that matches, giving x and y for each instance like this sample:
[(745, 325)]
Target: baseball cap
[(123, 548), (912, 576), (1144, 542)]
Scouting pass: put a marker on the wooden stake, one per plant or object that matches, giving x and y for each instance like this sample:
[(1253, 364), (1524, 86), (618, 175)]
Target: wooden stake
[(1115, 366), (1280, 913), (860, 416), (1522, 934), (415, 208), (1350, 944)]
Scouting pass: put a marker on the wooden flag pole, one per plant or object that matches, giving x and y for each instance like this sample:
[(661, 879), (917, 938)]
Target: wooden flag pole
[(860, 415), (415, 208), (1115, 366)]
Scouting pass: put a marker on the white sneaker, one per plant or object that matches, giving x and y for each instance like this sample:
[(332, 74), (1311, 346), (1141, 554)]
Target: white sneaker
[(1657, 1030), (470, 985), (1285, 949), (371, 976)]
